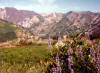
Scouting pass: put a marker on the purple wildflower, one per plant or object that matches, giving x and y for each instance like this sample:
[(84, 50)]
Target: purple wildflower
[(70, 63), (58, 68), (98, 63), (69, 51), (62, 61), (98, 48), (92, 52), (54, 70), (80, 52), (59, 37), (49, 42), (57, 60), (98, 58)]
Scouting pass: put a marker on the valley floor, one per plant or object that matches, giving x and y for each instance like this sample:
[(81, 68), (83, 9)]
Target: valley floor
[(21, 59)]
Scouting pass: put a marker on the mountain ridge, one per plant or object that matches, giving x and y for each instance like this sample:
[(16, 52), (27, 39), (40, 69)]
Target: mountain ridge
[(50, 24)]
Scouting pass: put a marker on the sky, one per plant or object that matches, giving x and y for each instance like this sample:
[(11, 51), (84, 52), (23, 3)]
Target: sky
[(49, 6)]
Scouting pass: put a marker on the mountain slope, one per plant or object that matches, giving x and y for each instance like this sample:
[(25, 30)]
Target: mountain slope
[(44, 25), (14, 15), (7, 31), (76, 22)]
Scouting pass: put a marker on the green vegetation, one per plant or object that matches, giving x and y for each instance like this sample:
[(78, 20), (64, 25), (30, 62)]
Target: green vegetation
[(38, 58), (7, 31), (82, 60), (22, 59)]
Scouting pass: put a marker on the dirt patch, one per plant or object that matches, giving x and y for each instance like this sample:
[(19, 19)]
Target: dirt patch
[(6, 45)]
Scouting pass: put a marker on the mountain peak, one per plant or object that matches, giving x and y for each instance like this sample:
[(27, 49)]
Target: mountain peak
[(13, 15), (9, 8)]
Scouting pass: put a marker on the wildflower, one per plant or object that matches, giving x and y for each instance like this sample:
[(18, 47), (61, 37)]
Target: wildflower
[(59, 44), (54, 70), (58, 68), (70, 63), (80, 52), (99, 48), (57, 60), (92, 52), (62, 61), (98, 63), (49, 42), (98, 58), (69, 51), (59, 37)]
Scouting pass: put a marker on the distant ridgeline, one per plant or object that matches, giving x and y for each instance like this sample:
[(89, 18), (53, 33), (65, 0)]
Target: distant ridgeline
[(45, 25)]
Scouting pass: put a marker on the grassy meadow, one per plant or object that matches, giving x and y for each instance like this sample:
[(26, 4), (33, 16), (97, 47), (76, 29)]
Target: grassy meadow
[(67, 55), (22, 59)]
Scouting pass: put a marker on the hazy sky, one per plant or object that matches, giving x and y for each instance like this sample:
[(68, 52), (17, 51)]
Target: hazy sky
[(48, 6)]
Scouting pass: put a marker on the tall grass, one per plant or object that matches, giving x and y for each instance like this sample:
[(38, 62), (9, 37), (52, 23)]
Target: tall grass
[(25, 59)]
